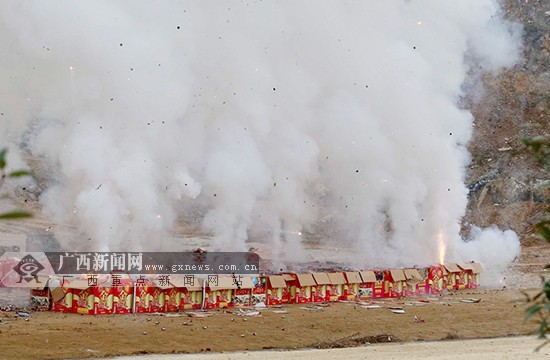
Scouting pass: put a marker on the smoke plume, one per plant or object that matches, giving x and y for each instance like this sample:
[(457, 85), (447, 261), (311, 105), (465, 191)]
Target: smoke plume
[(264, 117)]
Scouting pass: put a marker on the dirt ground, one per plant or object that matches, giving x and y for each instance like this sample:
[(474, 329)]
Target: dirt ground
[(516, 348), (57, 336)]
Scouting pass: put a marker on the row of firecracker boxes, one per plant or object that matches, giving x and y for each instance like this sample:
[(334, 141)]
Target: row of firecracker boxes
[(124, 294)]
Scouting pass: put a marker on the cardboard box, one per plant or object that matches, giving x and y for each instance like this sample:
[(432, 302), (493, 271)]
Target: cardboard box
[(83, 297), (413, 280), (220, 295), (368, 278), (191, 292), (243, 292), (174, 296), (437, 279), (336, 287), (302, 288), (381, 288), (103, 297), (259, 291), (320, 290), (471, 272), (157, 295), (422, 286), (92, 299), (123, 294), (277, 290), (40, 294), (453, 277), (351, 288), (397, 282), (289, 292), (142, 295)]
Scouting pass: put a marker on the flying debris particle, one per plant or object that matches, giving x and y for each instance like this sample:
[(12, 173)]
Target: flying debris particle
[(178, 27), (131, 69), (414, 47), (120, 44), (274, 184), (97, 188), (215, 195), (356, 171), (274, 89), (112, 99), (451, 134), (366, 86)]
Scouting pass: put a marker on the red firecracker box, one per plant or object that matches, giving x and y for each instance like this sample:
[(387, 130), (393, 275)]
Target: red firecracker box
[(351, 288), (302, 288), (142, 295), (276, 286), (243, 292), (320, 292), (413, 280), (437, 279), (471, 271), (259, 291), (453, 277), (219, 292), (336, 287), (368, 278), (123, 293)]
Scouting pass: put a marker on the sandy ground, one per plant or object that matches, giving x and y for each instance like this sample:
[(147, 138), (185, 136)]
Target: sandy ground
[(514, 348), (56, 336)]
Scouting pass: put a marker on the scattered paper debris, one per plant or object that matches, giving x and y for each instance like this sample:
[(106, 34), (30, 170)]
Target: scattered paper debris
[(312, 308), (242, 312), (396, 310), (199, 314), (279, 311), (323, 305), (372, 306), (418, 320), (470, 300)]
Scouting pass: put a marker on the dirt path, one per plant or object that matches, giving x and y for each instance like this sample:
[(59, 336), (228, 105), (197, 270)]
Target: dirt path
[(512, 348)]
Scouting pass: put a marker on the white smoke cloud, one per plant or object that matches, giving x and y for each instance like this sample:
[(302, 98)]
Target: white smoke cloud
[(267, 115), (494, 249)]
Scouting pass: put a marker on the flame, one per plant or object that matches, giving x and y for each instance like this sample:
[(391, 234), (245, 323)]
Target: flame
[(442, 248)]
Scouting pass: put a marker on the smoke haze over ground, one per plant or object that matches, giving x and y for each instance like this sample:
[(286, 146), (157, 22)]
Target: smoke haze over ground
[(264, 117)]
